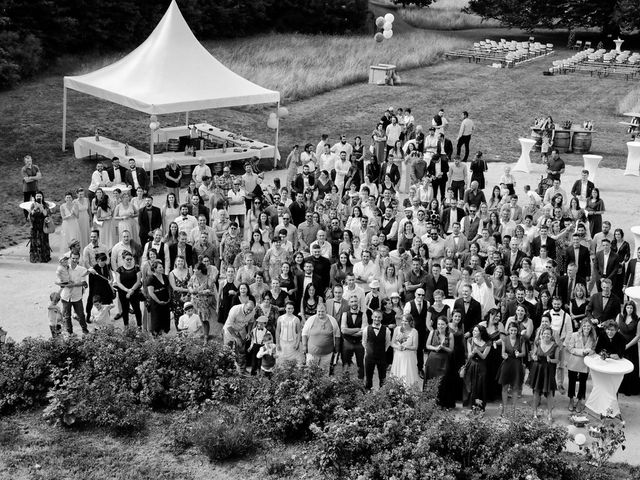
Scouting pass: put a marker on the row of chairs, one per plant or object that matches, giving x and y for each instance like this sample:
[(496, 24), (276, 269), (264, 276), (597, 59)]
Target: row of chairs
[(601, 63), (508, 53), (579, 45)]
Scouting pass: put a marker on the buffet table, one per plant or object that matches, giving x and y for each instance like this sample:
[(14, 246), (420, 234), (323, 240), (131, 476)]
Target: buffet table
[(237, 147), (607, 376)]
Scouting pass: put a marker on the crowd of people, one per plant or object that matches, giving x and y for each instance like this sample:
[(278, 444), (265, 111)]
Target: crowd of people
[(394, 257)]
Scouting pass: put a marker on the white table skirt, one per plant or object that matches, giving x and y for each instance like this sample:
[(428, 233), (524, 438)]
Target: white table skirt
[(607, 376)]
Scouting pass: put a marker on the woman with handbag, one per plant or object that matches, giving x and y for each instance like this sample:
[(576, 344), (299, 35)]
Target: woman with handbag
[(41, 226)]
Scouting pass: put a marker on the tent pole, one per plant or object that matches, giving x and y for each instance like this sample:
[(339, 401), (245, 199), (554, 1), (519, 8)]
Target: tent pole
[(186, 118), (151, 156), (64, 118), (275, 153)]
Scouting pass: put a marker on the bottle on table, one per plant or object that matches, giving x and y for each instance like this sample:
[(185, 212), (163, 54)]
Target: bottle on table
[(97, 136)]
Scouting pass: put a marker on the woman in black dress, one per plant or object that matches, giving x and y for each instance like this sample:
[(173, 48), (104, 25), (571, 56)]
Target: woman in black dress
[(458, 358), (495, 330), (100, 279), (578, 305), (542, 377), (128, 282), (475, 378), (621, 248), (357, 157), (440, 347), (309, 302), (227, 293), (478, 167), (629, 328), (511, 370), (40, 217), (159, 291), (286, 280)]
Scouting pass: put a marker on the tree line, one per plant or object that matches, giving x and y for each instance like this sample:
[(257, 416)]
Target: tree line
[(34, 33)]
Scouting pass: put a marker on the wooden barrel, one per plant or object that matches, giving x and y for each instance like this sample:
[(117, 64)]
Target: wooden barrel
[(173, 144), (561, 140), (536, 134), (581, 142)]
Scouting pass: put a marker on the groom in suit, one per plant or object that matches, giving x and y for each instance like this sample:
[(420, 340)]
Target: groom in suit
[(606, 263), (603, 306), (376, 339)]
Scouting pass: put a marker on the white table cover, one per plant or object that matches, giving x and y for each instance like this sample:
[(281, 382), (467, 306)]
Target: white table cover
[(607, 376)]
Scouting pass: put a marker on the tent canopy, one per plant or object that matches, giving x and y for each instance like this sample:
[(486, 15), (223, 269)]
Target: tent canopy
[(171, 72)]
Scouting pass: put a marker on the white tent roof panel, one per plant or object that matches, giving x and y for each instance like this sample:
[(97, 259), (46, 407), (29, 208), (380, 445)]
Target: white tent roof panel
[(171, 72)]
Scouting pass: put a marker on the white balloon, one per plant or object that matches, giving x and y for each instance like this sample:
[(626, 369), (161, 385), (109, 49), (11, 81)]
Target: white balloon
[(272, 123), (283, 112), (387, 34), (389, 18), (387, 26), (153, 125), (273, 115), (580, 439)]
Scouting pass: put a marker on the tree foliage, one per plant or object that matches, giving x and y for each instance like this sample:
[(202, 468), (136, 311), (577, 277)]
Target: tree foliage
[(610, 16), (52, 28)]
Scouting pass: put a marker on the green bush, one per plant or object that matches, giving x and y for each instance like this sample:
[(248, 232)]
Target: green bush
[(374, 427), (20, 57), (286, 406), (224, 436)]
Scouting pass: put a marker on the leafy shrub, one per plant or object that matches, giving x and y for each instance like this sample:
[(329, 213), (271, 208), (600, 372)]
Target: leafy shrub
[(500, 450), (376, 427), (295, 398), (25, 370), (224, 437)]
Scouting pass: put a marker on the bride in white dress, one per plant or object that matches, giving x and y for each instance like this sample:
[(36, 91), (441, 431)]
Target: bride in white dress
[(405, 360)]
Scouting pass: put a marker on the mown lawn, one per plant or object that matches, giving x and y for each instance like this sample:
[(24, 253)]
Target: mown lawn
[(502, 102)]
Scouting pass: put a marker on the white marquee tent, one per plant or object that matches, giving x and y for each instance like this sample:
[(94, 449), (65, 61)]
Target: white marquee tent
[(170, 72)]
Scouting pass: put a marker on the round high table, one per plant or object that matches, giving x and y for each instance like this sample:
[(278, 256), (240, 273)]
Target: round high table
[(591, 163), (606, 376), (633, 159), (524, 162), (634, 294), (636, 236)]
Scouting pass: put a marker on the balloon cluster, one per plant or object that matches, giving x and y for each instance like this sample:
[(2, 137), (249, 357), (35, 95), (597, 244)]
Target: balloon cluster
[(154, 124), (274, 118), (386, 25)]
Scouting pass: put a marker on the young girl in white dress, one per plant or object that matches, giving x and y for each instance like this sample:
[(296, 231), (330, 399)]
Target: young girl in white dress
[(405, 360)]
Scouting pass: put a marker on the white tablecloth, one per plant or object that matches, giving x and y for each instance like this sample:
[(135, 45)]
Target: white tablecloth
[(607, 376), (87, 146)]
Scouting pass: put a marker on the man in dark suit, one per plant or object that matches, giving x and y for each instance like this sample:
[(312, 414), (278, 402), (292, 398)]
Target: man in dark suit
[(543, 239), (321, 268), (149, 218), (337, 305), (183, 249), (136, 177), (376, 339), (451, 215), (567, 283), (445, 147), (434, 281), (606, 263), (579, 255), (117, 173), (583, 187), (303, 279), (391, 169), (630, 274), (603, 305), (196, 208), (298, 209), (438, 169), (301, 181), (417, 308), (519, 300), (512, 259), (470, 308)]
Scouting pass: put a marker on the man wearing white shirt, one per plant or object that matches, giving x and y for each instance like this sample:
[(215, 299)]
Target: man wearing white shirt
[(342, 166), (320, 148), (365, 271), (343, 146), (186, 222), (99, 178), (351, 289), (393, 132), (95, 247), (464, 135), (321, 241), (200, 171), (162, 250), (126, 244), (327, 159), (553, 191), (431, 141), (420, 227), (440, 122)]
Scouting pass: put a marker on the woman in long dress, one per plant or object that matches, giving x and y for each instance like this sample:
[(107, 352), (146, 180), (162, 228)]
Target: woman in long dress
[(440, 346), (70, 225), (495, 331), (512, 369), (379, 138), (84, 217), (39, 215), (594, 209), (405, 359), (102, 213), (275, 257), (126, 216), (475, 377), (204, 296), (542, 376), (629, 328), (170, 211), (288, 336), (179, 280)]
